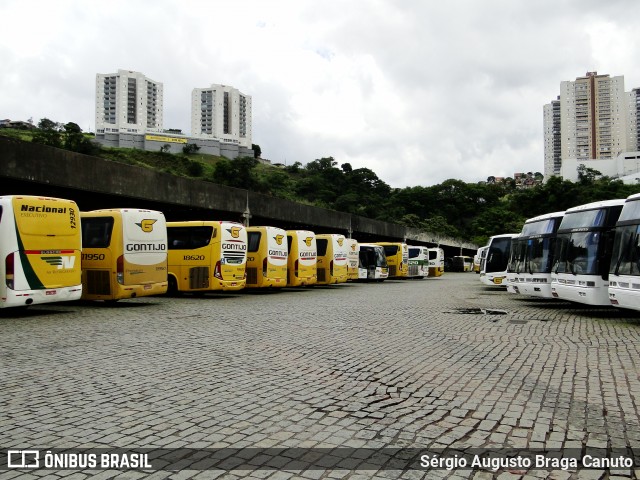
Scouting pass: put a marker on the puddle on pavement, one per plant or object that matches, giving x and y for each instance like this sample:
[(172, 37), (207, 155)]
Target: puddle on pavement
[(478, 311)]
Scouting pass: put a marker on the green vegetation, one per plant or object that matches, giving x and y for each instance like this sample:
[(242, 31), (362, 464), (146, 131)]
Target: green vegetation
[(472, 211)]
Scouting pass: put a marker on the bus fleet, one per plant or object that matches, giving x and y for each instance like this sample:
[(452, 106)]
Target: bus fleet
[(589, 254), (51, 252)]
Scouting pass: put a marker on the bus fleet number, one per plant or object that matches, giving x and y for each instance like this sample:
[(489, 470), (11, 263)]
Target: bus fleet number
[(92, 256), (193, 257)]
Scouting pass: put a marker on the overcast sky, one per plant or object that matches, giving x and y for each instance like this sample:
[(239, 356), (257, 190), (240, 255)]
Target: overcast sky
[(419, 91)]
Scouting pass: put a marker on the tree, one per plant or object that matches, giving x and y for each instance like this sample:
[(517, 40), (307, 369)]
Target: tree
[(48, 133), (586, 175), (190, 148), (257, 151), (73, 137)]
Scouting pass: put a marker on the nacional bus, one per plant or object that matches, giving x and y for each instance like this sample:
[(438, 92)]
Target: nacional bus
[(332, 259), (436, 262), (531, 258), (372, 263), (206, 256), (124, 254), (583, 252), (266, 257), (397, 254), (352, 259), (418, 262), (40, 247), (494, 269), (624, 271), (302, 266)]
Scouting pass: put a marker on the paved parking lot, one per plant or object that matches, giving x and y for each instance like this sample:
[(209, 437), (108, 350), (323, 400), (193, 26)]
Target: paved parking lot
[(440, 364)]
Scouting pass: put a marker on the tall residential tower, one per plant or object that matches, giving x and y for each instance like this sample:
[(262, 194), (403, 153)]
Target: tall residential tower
[(128, 102), (593, 121), (221, 112)]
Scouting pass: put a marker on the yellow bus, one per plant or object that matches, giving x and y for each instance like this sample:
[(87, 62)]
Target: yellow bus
[(124, 254), (266, 257), (40, 247), (302, 260), (332, 258), (353, 259), (206, 255), (397, 254)]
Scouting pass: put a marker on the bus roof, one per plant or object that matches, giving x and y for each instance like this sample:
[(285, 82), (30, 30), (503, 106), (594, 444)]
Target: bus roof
[(546, 216), (504, 235), (596, 205)]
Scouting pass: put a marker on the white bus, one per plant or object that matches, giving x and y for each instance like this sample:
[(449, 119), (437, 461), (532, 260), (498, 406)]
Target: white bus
[(40, 247), (436, 262), (583, 253), (372, 263), (624, 271), (531, 259), (494, 269), (418, 262)]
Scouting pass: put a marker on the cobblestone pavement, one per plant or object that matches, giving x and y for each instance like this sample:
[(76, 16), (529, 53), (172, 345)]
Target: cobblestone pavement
[(429, 364)]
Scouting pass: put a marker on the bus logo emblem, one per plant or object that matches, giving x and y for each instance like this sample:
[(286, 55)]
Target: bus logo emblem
[(61, 262), (234, 231), (147, 225), (278, 239), (340, 241), (353, 247), (308, 241)]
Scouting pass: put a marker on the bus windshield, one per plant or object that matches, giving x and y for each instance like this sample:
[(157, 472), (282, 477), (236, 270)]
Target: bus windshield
[(578, 253), (583, 219), (96, 232), (253, 241), (321, 245), (390, 250), (189, 238), (630, 211), (498, 255), (539, 228), (626, 251), (539, 254)]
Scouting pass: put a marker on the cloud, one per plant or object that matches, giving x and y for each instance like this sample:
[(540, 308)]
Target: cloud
[(417, 91)]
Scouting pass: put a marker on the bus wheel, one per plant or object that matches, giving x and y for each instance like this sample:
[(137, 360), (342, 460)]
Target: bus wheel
[(172, 288)]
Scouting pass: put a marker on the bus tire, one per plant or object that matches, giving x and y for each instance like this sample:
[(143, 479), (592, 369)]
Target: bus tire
[(172, 289)]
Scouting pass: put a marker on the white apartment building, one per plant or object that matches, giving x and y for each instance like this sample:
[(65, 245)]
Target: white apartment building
[(552, 150), (633, 119), (594, 122), (223, 113), (128, 102)]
